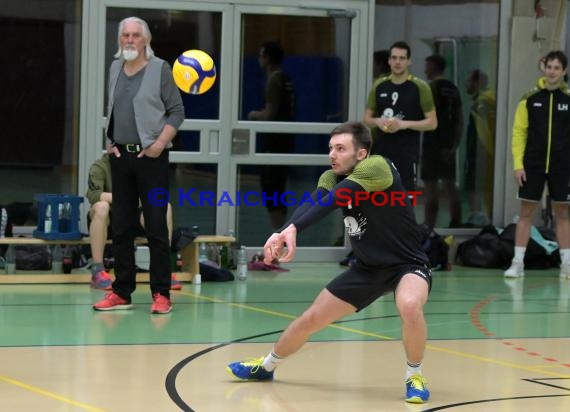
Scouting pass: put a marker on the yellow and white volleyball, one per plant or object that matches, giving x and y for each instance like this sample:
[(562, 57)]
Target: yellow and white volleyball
[(194, 72)]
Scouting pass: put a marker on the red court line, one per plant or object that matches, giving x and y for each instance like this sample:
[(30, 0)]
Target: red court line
[(476, 322)]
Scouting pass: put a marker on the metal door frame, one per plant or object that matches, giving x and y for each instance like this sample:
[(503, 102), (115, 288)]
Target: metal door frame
[(92, 104)]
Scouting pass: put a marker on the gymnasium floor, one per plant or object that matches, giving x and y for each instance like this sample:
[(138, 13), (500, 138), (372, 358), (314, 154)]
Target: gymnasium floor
[(494, 346)]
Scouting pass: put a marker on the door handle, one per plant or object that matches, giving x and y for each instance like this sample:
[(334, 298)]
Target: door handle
[(240, 141)]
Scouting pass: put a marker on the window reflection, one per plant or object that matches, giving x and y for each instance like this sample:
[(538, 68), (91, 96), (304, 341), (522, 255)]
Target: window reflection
[(468, 43), (40, 106), (294, 69), (187, 140), (191, 188), (480, 146), (313, 65), (255, 220)]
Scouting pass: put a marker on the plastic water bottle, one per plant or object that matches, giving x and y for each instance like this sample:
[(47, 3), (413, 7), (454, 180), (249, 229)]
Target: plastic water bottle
[(232, 252), (64, 211), (242, 264), (224, 257), (3, 222), (47, 219), (57, 260), (179, 262), (203, 253), (10, 260)]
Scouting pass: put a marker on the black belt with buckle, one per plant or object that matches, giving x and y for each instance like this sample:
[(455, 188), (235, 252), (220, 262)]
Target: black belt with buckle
[(130, 147)]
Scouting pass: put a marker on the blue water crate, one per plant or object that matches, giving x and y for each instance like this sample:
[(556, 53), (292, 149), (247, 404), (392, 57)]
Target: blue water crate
[(58, 216)]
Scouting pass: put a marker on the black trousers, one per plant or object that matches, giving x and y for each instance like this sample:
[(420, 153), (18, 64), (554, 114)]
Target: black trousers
[(133, 179)]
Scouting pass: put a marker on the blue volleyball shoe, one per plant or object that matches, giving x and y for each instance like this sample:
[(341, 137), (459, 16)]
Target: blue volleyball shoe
[(416, 389), (251, 370)]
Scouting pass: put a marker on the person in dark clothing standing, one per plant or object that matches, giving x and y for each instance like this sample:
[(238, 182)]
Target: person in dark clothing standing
[(144, 112), (439, 146), (386, 243), (100, 196), (401, 106), (480, 148), (279, 107)]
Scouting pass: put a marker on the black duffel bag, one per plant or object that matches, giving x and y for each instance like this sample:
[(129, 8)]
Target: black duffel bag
[(485, 250)]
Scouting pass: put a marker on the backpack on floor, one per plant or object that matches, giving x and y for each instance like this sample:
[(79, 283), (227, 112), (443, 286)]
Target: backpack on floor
[(485, 250), (33, 257), (436, 249), (181, 237), (541, 251), (213, 274)]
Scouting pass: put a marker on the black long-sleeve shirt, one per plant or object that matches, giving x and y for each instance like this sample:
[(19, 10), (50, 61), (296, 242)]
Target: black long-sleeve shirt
[(381, 235)]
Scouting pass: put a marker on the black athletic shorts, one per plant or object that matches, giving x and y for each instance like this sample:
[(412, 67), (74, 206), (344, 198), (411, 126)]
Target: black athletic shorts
[(361, 285), (434, 167), (532, 189)]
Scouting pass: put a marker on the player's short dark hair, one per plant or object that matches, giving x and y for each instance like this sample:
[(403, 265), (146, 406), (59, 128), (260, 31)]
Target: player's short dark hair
[(438, 62), (361, 136), (557, 55), (273, 51), (402, 45)]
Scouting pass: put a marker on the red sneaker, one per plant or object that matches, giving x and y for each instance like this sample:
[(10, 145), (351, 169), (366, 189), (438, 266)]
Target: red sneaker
[(161, 304), (101, 280), (175, 284), (112, 301)]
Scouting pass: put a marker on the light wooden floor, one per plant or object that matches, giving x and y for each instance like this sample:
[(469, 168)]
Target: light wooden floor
[(494, 346)]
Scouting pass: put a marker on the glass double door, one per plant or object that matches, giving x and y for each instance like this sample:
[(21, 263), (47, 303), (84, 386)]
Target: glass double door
[(255, 144)]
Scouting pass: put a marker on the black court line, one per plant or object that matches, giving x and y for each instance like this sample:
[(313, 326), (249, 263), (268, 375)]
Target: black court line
[(540, 381), (514, 398), (170, 382)]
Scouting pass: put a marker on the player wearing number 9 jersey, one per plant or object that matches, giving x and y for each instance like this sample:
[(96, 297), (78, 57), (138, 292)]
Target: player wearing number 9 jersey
[(401, 106)]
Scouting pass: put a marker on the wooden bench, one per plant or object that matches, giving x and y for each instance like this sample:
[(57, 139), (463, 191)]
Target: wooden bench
[(190, 260), (191, 253)]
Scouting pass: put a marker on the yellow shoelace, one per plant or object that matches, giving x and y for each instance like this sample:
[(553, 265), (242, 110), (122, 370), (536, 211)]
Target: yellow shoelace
[(255, 363), (417, 382)]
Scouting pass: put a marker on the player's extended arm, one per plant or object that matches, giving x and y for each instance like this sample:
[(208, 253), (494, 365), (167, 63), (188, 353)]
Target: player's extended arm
[(323, 203)]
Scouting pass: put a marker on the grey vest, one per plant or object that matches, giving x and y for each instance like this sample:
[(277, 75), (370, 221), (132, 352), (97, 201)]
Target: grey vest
[(150, 113)]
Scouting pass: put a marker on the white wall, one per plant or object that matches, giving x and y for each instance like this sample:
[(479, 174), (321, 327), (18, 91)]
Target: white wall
[(419, 24)]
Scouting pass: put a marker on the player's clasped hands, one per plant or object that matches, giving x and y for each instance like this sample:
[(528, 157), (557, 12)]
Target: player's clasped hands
[(389, 124), (281, 247)]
